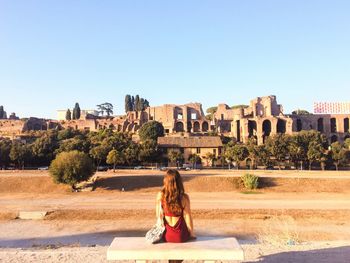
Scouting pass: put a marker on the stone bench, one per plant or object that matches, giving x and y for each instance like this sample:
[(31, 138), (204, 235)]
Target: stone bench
[(208, 249)]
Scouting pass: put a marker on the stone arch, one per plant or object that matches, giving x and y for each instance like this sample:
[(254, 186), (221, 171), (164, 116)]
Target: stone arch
[(266, 129), (111, 126), (281, 126), (205, 126), (179, 126), (334, 138), (299, 125), (196, 126), (320, 127), (346, 124), (252, 128), (333, 123), (189, 126)]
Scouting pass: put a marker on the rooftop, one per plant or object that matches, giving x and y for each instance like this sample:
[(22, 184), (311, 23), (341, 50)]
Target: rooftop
[(190, 142)]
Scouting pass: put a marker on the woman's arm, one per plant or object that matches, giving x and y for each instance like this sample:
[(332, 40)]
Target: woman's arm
[(158, 201), (188, 216)]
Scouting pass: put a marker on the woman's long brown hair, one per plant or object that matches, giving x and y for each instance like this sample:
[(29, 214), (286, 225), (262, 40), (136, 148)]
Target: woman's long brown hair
[(173, 191)]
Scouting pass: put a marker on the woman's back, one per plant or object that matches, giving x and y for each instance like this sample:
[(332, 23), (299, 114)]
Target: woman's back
[(176, 208), (176, 230)]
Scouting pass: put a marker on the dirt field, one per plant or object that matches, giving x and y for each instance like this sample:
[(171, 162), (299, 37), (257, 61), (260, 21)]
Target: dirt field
[(293, 217)]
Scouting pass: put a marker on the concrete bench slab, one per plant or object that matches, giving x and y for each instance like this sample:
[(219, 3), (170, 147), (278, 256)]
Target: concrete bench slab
[(32, 214), (203, 248)]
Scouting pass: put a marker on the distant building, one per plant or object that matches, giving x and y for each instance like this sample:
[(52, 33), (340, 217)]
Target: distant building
[(61, 114), (332, 107), (200, 145), (264, 117)]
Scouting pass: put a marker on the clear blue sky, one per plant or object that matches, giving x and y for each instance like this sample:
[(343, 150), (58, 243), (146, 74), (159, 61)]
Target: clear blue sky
[(54, 53)]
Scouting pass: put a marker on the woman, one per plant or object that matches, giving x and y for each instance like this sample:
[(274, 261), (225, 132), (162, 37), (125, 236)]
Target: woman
[(176, 208)]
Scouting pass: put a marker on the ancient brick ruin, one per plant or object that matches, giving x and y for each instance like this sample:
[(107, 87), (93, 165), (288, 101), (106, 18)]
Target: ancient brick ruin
[(261, 118)]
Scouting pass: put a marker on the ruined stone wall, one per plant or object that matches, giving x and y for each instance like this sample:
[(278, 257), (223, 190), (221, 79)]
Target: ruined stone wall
[(88, 124), (9, 128)]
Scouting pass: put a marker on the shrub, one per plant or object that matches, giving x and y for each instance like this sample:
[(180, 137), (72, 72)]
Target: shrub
[(71, 168), (250, 181)]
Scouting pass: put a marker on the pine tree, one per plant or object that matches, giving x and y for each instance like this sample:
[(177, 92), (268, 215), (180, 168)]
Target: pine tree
[(2, 112), (142, 104), (128, 103), (137, 103), (146, 104), (76, 112), (133, 103), (68, 115)]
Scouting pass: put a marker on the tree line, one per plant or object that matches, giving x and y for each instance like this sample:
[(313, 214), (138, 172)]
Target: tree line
[(103, 147), (303, 150), (135, 103)]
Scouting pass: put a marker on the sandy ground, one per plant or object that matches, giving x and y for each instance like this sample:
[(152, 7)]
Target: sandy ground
[(320, 252), (301, 217)]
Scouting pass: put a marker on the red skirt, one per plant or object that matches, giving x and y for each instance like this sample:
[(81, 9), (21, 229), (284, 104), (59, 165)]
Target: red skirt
[(178, 233)]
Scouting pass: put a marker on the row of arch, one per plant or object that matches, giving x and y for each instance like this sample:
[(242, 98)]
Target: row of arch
[(266, 127), (333, 125), (196, 127)]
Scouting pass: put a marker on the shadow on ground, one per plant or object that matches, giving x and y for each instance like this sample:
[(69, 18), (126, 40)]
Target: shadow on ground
[(328, 255), (103, 238), (131, 183)]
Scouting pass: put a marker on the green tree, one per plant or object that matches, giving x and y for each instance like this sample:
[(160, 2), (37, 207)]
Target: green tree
[(211, 158), (239, 106), (151, 131), (142, 104), (71, 168), (298, 147), (66, 134), (128, 103), (99, 153), (278, 146), (76, 112), (338, 154), (263, 156), (78, 143), (68, 115), (105, 107), (114, 157), (237, 153), (5, 148), (146, 104), (44, 147), (175, 157), (2, 112), (211, 110), (252, 148), (194, 160), (132, 153), (149, 151), (137, 103), (300, 112), (19, 154), (347, 143), (316, 153), (133, 102)]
